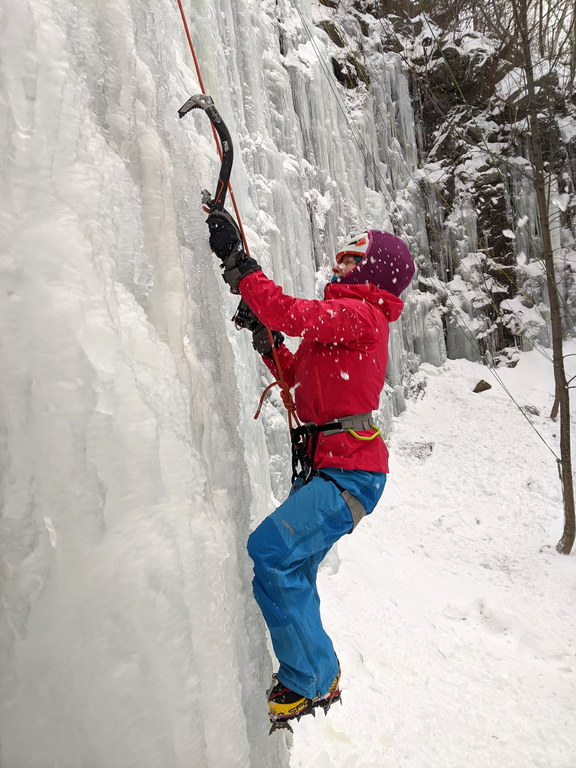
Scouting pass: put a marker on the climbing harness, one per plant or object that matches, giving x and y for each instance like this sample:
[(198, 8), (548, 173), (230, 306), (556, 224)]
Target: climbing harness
[(305, 440)]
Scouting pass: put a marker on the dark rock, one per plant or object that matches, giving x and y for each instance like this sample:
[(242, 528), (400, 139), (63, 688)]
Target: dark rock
[(531, 409), (488, 176), (343, 74), (383, 8), (517, 104), (360, 70), (406, 26), (391, 41), (364, 26), (482, 145), (482, 386), (350, 72), (508, 357), (333, 33)]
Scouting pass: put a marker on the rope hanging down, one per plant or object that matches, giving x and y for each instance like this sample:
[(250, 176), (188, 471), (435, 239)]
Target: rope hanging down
[(225, 149)]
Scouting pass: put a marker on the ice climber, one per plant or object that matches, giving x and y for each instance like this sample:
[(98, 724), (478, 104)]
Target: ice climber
[(337, 375)]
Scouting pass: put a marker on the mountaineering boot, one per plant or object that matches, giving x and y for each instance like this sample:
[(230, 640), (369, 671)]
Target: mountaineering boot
[(284, 705), (331, 697)]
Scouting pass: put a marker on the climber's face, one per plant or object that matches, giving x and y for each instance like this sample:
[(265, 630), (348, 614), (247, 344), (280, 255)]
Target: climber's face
[(347, 264), (351, 255)]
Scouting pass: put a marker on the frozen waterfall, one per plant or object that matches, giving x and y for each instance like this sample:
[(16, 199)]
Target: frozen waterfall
[(131, 467)]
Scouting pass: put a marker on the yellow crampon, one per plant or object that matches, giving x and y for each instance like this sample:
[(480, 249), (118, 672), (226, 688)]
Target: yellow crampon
[(282, 712)]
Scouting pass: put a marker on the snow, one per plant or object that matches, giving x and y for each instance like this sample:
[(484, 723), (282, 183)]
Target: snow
[(452, 614), (512, 84), (562, 201), (434, 173), (529, 320), (567, 128)]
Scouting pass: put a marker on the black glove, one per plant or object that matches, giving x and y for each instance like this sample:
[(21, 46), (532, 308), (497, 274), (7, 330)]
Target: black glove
[(261, 341), (224, 233), (226, 242), (245, 318)]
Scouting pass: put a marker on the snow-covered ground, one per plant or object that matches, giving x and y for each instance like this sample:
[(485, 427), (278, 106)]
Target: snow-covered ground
[(453, 615)]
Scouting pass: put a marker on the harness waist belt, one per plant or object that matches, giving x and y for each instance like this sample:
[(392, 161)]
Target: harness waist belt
[(305, 438), (358, 422)]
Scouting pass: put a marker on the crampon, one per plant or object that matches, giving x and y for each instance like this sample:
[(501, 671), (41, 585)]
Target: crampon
[(286, 706)]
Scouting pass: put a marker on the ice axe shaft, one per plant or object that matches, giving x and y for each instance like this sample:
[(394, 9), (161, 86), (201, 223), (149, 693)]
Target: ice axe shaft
[(226, 149)]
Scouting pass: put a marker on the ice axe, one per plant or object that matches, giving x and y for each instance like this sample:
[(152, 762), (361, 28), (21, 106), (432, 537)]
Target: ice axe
[(226, 150)]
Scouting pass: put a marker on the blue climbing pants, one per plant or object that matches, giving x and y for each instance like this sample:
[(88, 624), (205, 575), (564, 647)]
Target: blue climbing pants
[(287, 548)]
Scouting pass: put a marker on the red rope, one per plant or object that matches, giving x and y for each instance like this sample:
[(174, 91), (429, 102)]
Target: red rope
[(289, 403), (285, 390), (191, 44)]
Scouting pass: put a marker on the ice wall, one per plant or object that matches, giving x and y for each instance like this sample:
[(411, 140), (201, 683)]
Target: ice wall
[(131, 468)]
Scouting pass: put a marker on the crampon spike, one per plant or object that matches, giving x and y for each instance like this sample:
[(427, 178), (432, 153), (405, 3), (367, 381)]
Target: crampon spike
[(279, 725)]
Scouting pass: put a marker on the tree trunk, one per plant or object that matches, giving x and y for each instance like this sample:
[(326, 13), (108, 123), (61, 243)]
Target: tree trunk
[(562, 394)]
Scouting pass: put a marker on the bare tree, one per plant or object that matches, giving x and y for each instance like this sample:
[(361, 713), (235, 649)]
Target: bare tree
[(542, 27), (539, 34), (562, 398)]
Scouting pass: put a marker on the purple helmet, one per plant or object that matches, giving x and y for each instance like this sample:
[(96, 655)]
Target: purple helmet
[(384, 261)]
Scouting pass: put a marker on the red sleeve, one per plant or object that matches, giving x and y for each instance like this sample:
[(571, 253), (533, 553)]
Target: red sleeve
[(323, 321)]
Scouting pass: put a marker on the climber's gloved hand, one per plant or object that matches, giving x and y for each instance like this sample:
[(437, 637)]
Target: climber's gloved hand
[(224, 233), (226, 242), (245, 318), (261, 341)]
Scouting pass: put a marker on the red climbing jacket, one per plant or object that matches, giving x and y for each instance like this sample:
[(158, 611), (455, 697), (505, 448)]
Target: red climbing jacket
[(340, 365)]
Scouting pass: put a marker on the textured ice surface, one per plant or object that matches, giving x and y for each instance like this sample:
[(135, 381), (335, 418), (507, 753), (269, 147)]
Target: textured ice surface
[(131, 467)]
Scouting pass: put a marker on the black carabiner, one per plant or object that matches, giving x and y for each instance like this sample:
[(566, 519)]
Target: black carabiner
[(202, 101)]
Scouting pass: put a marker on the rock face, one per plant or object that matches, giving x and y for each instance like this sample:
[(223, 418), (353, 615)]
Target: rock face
[(475, 127), (475, 176)]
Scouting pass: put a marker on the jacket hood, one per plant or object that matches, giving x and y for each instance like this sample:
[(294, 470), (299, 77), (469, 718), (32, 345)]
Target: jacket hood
[(390, 304)]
